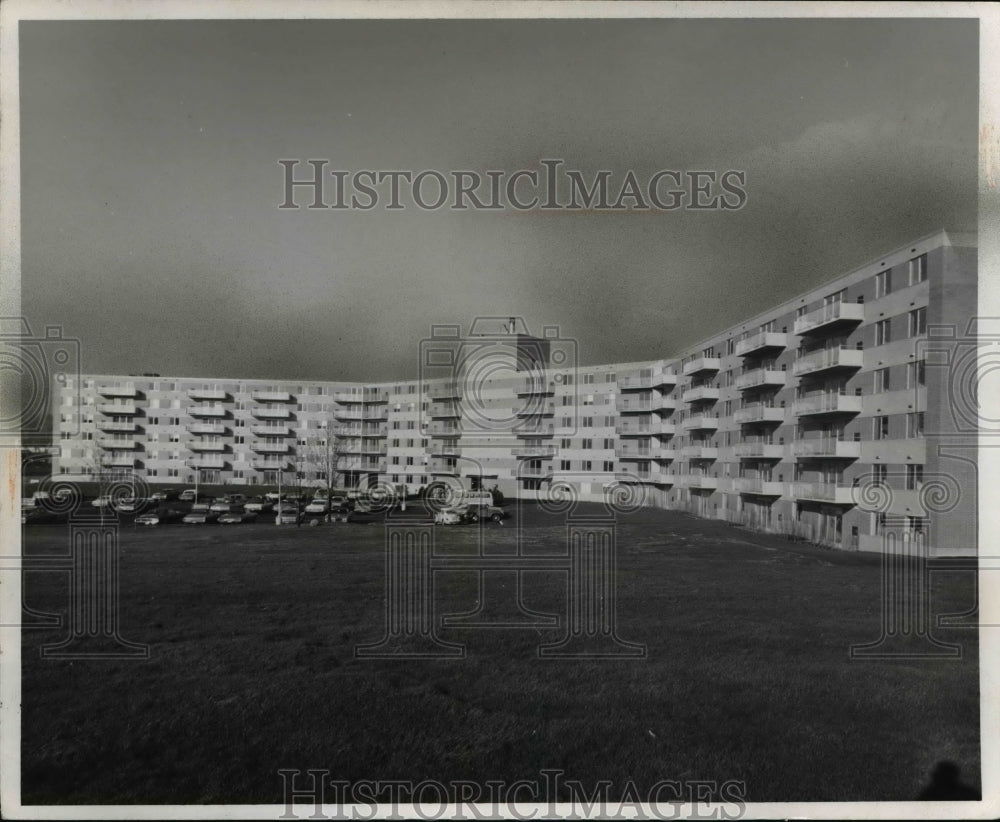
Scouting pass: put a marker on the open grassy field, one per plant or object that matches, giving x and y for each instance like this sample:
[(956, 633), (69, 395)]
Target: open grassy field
[(252, 631)]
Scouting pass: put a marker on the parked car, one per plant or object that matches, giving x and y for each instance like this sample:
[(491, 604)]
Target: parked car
[(202, 506), (133, 505), (189, 495), (223, 505), (237, 517), (165, 495), (101, 502), (317, 506), (200, 518), (161, 516), (457, 514), (258, 505), (288, 513)]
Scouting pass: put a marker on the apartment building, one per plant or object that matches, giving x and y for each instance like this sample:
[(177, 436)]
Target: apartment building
[(834, 416)]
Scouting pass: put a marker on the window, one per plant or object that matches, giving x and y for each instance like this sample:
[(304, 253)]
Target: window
[(609, 444), (882, 332), (915, 424), (918, 322), (564, 465), (918, 269), (880, 472), (882, 379), (609, 466), (587, 465), (588, 379), (564, 442), (914, 477), (883, 283), (916, 374), (587, 444), (587, 422), (880, 428)]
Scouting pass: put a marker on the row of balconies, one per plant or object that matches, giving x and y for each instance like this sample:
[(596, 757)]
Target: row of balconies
[(649, 378), (630, 404), (644, 427)]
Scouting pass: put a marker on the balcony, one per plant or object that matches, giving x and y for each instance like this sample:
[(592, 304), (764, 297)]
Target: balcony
[(703, 393), (444, 410), (761, 377), (827, 448), (118, 409), (537, 409), (123, 391), (374, 431), (700, 452), (634, 451), (207, 461), (271, 430), (760, 451), (444, 466), (272, 396), (216, 428), (373, 465), (374, 395), (652, 477), (271, 413), (349, 448), (206, 445), (353, 464), (648, 378), (445, 448), (208, 394), (534, 430), (829, 359), (759, 413), (207, 411), (830, 317), (440, 429), (536, 387), (536, 452), (833, 493), (644, 427), (702, 365), (373, 448), (760, 342), (827, 402), (124, 459), (116, 427), (112, 444), (447, 391), (271, 465), (700, 482), (528, 471), (270, 447), (626, 404), (370, 412), (759, 487), (702, 422), (345, 414), (348, 396)]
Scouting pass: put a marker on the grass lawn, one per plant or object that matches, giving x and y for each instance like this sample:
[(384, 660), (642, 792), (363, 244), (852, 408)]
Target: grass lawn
[(252, 631)]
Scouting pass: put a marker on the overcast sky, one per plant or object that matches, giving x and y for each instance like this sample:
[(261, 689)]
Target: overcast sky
[(150, 182)]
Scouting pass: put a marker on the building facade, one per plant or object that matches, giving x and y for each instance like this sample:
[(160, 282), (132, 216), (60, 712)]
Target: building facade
[(825, 417)]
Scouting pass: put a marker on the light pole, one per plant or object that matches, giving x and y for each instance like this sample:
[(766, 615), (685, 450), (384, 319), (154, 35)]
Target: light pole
[(277, 518)]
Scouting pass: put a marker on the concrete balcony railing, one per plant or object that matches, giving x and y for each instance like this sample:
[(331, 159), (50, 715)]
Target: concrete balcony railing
[(445, 391), (703, 393), (207, 445), (348, 396), (835, 493), (536, 386), (443, 466), (702, 365), (216, 428), (760, 451), (116, 427), (444, 448), (828, 359), (652, 477), (440, 429), (631, 404), (208, 394), (124, 391), (373, 465), (526, 470), (271, 430), (830, 316), (536, 452), (759, 487), (761, 377), (648, 378), (207, 411), (827, 448), (206, 461), (534, 430), (759, 413), (372, 412), (123, 459), (644, 427), (701, 482), (444, 410), (760, 342), (702, 422), (270, 447), (827, 402), (111, 444), (272, 396), (349, 413), (271, 465), (373, 448), (537, 409), (272, 413), (118, 409), (700, 452)]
